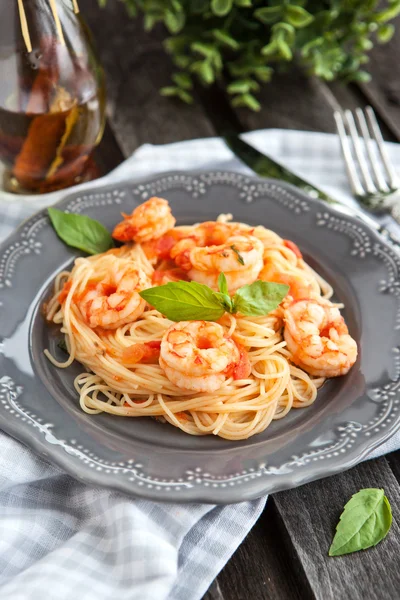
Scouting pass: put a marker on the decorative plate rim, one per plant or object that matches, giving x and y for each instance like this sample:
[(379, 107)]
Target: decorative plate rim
[(201, 485)]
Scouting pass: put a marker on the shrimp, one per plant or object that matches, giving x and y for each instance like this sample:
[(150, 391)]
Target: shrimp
[(318, 338), (115, 300), (300, 287), (240, 258), (149, 221), (197, 356)]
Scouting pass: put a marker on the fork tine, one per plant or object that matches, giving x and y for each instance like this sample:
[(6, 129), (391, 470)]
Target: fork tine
[(393, 179), (368, 183), (379, 178), (352, 174)]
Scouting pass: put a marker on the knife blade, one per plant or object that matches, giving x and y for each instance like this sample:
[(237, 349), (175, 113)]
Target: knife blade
[(264, 166)]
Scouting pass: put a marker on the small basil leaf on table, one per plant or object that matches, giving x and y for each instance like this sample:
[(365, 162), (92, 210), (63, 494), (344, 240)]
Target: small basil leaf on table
[(183, 301), (259, 298), (80, 231), (364, 522)]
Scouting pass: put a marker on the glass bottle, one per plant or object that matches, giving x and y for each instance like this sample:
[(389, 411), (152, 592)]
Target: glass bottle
[(52, 96)]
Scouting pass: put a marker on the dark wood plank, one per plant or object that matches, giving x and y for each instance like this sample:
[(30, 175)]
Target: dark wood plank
[(214, 592), (136, 67), (294, 101), (394, 462), (259, 568), (310, 514)]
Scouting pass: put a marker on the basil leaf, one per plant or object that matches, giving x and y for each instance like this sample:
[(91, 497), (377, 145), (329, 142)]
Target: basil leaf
[(223, 284), (223, 294), (184, 301), (80, 231), (364, 522), (259, 298)]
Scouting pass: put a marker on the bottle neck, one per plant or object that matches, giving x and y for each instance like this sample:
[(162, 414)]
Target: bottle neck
[(55, 15)]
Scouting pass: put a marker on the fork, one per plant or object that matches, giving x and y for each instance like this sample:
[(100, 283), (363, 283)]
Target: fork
[(372, 177)]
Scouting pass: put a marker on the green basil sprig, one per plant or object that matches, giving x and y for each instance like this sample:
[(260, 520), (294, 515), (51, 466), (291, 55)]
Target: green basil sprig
[(190, 301), (364, 522), (80, 231)]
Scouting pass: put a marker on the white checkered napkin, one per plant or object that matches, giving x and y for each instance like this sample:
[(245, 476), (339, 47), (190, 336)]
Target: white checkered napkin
[(60, 539)]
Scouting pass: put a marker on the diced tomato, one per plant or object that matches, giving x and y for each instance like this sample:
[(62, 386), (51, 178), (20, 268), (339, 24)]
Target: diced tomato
[(133, 354), (293, 247), (156, 344), (164, 246), (204, 343), (148, 352), (242, 368), (62, 296), (108, 289)]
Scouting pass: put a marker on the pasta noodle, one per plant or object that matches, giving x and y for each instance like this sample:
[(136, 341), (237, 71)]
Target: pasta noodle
[(237, 410)]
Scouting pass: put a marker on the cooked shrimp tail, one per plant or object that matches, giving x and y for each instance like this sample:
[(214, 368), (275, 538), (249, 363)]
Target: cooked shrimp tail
[(149, 221), (196, 355), (318, 338)]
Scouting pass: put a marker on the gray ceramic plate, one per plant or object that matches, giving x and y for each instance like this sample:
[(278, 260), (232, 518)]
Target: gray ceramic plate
[(351, 416)]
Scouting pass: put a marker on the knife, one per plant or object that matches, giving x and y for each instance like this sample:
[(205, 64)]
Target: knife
[(265, 166)]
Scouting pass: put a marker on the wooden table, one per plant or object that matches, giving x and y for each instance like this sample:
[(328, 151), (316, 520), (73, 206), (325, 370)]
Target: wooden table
[(285, 555)]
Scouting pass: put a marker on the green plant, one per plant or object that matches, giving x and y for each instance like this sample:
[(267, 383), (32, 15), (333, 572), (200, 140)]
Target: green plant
[(244, 40)]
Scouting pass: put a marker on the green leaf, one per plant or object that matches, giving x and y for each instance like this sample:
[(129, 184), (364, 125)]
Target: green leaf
[(226, 39), (364, 522), (222, 284), (298, 16), (206, 72), (169, 90), (183, 301), (185, 96), (80, 231), (242, 86), (150, 20), (284, 49), (385, 33), (174, 21), (183, 80), (197, 7), (389, 13), (207, 50), (247, 100), (361, 76), (243, 3), (284, 31), (221, 7), (269, 14), (259, 298), (224, 296), (263, 74)]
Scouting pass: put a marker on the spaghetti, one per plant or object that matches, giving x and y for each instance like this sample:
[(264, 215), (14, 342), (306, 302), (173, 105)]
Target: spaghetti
[(123, 375)]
